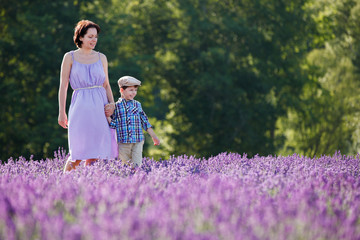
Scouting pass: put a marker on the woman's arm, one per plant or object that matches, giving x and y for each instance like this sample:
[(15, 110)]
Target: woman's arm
[(109, 108), (64, 83)]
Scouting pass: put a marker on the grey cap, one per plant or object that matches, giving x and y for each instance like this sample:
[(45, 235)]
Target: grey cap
[(128, 81)]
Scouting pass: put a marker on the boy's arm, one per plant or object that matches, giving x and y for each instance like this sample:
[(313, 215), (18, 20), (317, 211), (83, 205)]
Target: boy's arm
[(147, 126), (113, 121), (155, 139), (109, 119)]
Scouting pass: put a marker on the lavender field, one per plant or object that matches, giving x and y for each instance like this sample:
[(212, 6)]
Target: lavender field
[(229, 196)]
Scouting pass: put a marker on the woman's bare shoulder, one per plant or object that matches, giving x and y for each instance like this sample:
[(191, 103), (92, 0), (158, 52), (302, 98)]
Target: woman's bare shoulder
[(67, 57), (103, 57)]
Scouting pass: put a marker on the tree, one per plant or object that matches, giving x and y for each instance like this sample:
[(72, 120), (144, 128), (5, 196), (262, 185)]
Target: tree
[(326, 116), (216, 75), (34, 37), (231, 71)]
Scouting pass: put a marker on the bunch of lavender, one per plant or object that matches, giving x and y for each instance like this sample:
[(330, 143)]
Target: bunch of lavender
[(229, 196)]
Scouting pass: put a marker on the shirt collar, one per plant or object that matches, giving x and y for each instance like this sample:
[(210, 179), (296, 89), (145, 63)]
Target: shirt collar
[(124, 100)]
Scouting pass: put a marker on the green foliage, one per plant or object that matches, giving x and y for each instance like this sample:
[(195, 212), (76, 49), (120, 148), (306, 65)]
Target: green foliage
[(228, 70), (326, 116), (235, 75), (34, 36)]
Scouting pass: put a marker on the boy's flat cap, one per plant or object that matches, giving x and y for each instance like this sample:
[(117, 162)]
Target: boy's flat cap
[(128, 81)]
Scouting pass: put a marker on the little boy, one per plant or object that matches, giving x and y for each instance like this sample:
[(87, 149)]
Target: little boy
[(129, 119)]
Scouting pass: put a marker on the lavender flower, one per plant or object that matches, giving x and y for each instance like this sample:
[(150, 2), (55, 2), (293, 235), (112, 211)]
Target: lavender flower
[(228, 196)]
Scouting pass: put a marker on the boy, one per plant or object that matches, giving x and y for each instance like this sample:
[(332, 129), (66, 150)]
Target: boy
[(129, 119)]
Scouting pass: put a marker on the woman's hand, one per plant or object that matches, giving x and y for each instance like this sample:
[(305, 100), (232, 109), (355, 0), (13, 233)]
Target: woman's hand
[(109, 109), (62, 120)]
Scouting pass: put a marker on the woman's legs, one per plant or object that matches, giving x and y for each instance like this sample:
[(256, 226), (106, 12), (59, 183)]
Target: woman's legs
[(89, 162), (71, 165)]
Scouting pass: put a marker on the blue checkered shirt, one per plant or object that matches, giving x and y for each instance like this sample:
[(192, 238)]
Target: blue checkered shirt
[(129, 119)]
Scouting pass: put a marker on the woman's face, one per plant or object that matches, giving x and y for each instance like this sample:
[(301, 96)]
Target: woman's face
[(90, 38)]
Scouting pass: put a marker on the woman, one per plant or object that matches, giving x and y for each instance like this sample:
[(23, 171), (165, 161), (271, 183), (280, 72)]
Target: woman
[(89, 135)]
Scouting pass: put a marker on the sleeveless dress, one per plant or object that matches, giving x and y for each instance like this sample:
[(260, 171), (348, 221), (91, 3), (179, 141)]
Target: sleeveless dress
[(89, 134)]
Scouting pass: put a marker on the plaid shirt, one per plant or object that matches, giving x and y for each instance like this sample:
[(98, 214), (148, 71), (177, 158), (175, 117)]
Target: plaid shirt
[(129, 119)]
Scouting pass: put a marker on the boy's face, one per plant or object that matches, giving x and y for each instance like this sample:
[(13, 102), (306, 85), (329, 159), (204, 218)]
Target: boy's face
[(129, 93)]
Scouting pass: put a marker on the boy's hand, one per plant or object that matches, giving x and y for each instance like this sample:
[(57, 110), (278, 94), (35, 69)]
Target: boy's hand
[(153, 136), (156, 141)]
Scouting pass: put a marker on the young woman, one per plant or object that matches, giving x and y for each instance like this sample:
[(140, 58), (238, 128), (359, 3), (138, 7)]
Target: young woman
[(89, 135)]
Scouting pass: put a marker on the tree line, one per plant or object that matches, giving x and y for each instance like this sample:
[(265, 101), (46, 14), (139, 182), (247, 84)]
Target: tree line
[(247, 76)]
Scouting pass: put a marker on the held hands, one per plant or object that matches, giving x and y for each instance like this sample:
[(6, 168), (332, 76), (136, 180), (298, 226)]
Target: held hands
[(109, 109), (62, 120)]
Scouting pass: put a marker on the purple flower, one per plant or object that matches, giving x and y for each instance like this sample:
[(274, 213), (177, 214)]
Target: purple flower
[(228, 196)]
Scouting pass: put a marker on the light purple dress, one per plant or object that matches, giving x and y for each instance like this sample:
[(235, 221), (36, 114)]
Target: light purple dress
[(89, 134)]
